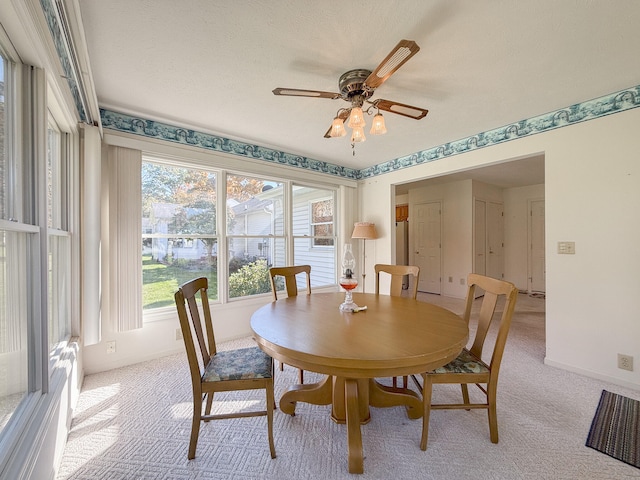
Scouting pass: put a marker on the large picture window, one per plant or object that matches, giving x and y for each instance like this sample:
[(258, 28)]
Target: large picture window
[(187, 231)]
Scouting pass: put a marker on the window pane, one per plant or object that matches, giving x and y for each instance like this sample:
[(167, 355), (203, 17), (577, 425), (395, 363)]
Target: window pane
[(314, 232), (59, 244), (178, 231), (255, 225), (13, 323), (59, 294), (4, 168), (55, 181)]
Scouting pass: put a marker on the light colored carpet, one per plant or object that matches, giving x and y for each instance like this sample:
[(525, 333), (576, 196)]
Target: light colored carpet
[(134, 423)]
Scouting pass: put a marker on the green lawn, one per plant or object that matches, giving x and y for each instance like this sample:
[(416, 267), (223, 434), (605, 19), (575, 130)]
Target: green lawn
[(160, 282)]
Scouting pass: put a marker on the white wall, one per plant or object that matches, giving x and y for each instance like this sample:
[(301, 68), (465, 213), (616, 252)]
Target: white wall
[(592, 193)]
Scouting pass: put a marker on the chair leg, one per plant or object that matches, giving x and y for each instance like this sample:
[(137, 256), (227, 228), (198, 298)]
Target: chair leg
[(427, 387), (270, 406), (207, 408), (405, 382), (195, 426), (465, 394), (493, 415)]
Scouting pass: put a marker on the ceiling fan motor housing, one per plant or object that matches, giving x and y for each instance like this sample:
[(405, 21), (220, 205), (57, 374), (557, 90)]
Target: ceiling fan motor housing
[(351, 86)]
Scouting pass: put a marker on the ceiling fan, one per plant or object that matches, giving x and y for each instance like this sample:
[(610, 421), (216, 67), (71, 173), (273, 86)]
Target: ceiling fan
[(356, 87)]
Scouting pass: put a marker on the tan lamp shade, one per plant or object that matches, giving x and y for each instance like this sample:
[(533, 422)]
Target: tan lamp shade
[(364, 230)]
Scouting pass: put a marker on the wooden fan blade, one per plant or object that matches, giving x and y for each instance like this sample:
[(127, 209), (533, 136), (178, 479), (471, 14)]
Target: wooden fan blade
[(294, 92), (403, 51), (401, 109), (343, 114)]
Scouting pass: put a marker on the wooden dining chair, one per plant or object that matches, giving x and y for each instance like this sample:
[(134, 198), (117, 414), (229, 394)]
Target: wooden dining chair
[(212, 371), (469, 367), (291, 284), (290, 279), (397, 273)]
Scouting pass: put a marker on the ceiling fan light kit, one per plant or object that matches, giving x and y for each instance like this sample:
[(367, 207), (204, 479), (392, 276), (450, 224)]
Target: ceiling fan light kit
[(356, 87)]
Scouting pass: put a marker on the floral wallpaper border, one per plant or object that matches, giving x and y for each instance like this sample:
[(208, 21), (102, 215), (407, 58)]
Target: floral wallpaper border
[(152, 129), (62, 44), (581, 112)]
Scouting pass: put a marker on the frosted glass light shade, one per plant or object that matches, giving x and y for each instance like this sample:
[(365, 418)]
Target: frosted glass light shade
[(357, 135), (337, 128), (378, 127), (356, 119)]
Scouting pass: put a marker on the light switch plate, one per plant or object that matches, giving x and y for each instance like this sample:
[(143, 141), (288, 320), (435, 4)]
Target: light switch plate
[(567, 248)]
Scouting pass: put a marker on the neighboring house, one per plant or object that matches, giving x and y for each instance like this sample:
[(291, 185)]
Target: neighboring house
[(255, 217)]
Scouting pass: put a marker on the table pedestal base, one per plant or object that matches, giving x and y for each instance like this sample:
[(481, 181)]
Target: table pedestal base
[(350, 399)]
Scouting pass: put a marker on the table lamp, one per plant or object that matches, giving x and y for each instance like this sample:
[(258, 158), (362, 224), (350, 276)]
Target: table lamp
[(366, 231)]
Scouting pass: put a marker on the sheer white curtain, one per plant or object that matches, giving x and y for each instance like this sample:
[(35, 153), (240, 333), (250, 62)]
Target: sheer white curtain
[(125, 237)]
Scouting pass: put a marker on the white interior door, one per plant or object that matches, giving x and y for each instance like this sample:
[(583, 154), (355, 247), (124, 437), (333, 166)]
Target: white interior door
[(536, 247), (495, 240), (426, 221), (479, 237)]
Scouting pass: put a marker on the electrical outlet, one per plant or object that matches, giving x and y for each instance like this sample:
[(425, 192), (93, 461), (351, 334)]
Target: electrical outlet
[(178, 334), (625, 362), (462, 281), (111, 347), (450, 279)]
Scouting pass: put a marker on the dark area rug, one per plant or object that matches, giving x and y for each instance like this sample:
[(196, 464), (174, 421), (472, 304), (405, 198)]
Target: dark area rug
[(615, 428)]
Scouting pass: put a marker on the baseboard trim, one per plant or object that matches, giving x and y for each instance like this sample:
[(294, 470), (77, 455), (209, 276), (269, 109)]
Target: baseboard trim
[(590, 374)]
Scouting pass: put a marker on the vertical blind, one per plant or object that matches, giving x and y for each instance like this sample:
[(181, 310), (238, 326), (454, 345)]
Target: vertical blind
[(125, 233)]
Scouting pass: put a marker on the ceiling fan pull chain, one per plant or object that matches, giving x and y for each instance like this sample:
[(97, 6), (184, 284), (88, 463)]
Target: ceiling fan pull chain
[(353, 148)]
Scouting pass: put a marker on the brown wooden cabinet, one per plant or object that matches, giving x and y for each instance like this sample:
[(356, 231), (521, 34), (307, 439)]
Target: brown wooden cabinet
[(402, 213)]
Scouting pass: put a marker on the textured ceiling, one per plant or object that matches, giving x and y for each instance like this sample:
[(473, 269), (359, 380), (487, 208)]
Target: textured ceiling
[(211, 65)]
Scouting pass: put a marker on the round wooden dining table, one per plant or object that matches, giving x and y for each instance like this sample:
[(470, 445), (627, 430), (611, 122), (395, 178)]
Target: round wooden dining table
[(394, 336)]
